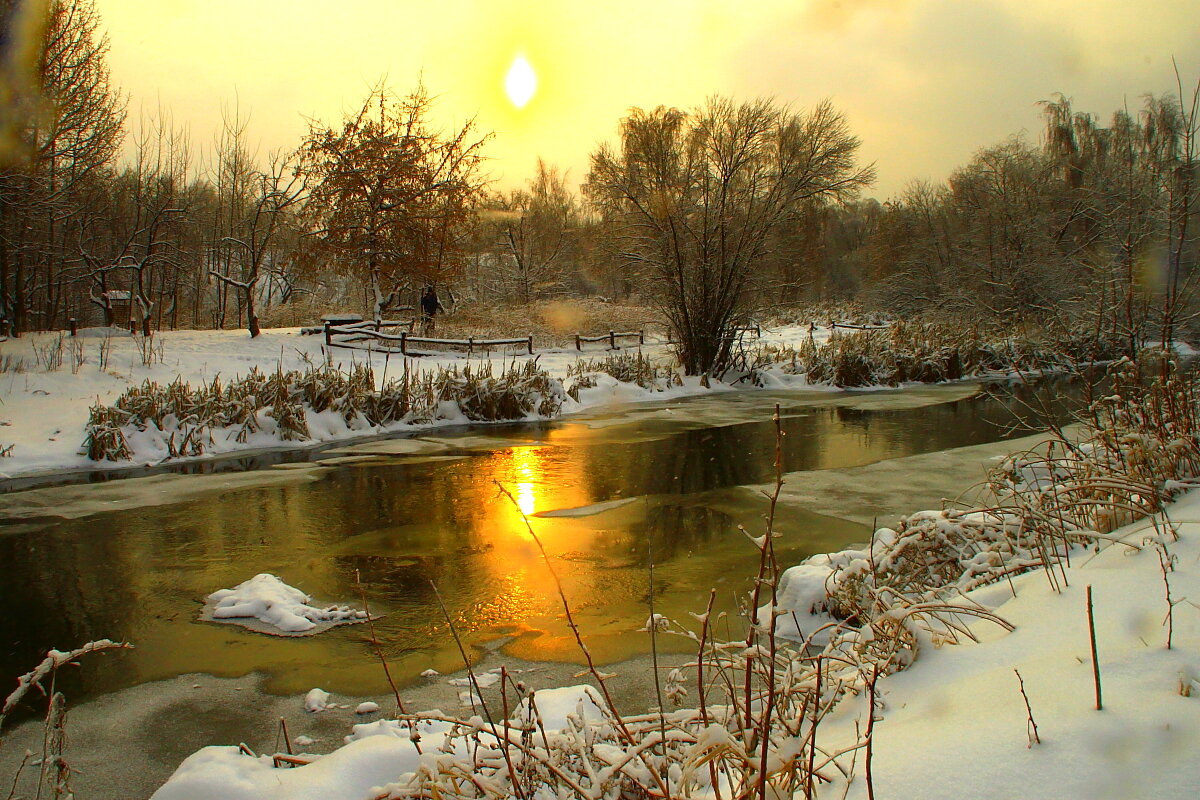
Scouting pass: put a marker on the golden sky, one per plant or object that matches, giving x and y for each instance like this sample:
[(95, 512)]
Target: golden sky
[(924, 83)]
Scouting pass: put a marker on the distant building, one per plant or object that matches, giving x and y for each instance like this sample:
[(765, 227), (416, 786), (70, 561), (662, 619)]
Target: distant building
[(118, 306)]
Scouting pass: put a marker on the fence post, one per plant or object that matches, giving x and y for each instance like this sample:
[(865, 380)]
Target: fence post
[(403, 343), (612, 339), (531, 344), (328, 335), (378, 322), (642, 336), (578, 345), (74, 326), (470, 344)]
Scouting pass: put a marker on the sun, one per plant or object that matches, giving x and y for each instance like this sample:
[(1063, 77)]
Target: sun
[(521, 81)]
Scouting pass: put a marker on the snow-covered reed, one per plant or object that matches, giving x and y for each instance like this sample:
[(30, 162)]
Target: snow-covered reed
[(928, 352), (182, 419), (628, 367)]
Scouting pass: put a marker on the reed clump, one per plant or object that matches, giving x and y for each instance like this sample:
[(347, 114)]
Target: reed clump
[(186, 419), (627, 367), (919, 351)]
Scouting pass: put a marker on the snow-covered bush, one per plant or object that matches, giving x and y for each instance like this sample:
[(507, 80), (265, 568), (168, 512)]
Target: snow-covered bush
[(522, 390), (916, 351)]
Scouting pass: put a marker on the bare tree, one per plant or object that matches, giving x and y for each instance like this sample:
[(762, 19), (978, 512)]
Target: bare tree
[(698, 197), (257, 233), (534, 229), (389, 197), (67, 127), (248, 218)]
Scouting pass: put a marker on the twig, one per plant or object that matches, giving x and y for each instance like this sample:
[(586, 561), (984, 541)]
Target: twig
[(1031, 730), (870, 748), (662, 725), (1095, 660), (512, 772), (287, 739), (378, 649), (574, 626)]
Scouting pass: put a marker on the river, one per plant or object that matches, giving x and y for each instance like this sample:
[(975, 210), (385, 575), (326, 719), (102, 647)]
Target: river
[(607, 493)]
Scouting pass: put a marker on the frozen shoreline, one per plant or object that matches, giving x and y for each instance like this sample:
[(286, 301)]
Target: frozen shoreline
[(43, 413)]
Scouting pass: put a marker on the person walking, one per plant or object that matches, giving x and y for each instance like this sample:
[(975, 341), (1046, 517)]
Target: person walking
[(429, 307)]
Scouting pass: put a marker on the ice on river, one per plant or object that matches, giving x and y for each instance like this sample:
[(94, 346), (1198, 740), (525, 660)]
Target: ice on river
[(280, 609)]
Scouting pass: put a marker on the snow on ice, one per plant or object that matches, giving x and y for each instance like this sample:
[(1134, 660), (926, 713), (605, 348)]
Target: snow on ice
[(280, 607)]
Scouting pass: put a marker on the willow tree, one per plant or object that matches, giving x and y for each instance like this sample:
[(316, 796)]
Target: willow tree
[(390, 198), (699, 198)]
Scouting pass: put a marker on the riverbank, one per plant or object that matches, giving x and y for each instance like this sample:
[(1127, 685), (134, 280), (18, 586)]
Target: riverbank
[(45, 402)]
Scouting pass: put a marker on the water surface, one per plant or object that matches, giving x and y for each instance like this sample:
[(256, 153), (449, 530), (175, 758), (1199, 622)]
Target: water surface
[(607, 494)]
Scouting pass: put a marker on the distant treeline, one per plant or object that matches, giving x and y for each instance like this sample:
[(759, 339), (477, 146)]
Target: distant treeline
[(1093, 223)]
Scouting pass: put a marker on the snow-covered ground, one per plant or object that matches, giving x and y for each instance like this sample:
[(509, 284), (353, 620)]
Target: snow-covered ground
[(955, 725), (43, 412)]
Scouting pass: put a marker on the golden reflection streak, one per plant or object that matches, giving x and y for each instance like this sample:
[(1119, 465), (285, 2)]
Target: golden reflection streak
[(525, 593)]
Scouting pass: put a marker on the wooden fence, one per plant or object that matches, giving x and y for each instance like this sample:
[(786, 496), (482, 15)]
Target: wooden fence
[(404, 341), (611, 337)]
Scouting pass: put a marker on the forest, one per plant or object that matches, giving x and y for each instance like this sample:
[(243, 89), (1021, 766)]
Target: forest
[(716, 215)]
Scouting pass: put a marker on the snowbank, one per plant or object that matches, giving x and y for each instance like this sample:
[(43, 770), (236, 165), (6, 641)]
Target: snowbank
[(281, 608), (955, 725), (375, 755)]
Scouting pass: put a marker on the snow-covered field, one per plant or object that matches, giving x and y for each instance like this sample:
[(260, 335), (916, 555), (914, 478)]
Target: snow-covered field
[(43, 412)]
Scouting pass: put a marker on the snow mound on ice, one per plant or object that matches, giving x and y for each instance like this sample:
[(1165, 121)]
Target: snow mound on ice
[(316, 700), (281, 609)]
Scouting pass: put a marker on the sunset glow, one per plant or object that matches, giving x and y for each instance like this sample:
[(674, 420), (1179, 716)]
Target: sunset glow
[(521, 82), (553, 78)]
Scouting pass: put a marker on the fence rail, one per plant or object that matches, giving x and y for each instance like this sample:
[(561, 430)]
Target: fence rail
[(376, 325), (610, 337), (848, 326), (366, 332)]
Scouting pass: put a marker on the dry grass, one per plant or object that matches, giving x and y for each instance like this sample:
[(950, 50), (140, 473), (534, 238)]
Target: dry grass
[(188, 417), (930, 352)]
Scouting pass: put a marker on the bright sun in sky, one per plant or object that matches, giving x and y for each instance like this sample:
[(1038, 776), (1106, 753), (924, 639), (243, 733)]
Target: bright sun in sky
[(521, 81)]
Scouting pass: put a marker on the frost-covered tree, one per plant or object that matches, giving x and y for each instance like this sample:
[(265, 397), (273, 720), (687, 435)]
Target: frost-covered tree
[(62, 127), (534, 228), (390, 198), (698, 197)]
